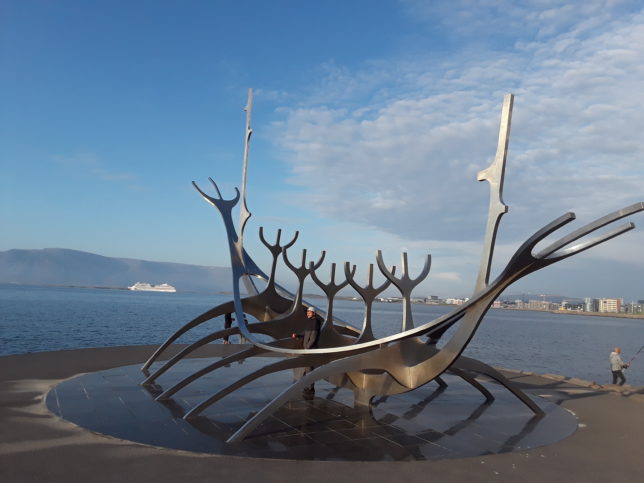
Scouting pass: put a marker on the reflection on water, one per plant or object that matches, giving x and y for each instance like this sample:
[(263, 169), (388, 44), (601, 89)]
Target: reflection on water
[(47, 318)]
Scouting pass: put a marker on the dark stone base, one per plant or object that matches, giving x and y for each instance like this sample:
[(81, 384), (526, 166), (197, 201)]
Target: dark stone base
[(426, 424)]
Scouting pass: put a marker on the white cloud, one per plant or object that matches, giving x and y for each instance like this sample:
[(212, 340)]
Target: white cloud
[(508, 20), (454, 276), (396, 144), (413, 156), (90, 164)]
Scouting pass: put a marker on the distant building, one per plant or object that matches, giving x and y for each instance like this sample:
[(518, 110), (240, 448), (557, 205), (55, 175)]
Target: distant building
[(610, 306), (633, 308), (571, 305), (591, 305), (455, 301), (391, 300), (541, 305), (433, 299)]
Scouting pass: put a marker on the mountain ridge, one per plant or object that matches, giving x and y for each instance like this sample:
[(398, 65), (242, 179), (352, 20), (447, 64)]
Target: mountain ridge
[(64, 266)]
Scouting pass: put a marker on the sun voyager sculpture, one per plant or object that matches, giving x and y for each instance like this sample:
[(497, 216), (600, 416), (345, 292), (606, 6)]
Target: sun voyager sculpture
[(351, 357)]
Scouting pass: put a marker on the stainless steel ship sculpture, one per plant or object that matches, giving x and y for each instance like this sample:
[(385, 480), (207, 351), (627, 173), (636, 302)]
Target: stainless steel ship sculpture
[(354, 358)]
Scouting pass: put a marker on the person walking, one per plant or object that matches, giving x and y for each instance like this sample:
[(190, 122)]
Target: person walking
[(617, 365)]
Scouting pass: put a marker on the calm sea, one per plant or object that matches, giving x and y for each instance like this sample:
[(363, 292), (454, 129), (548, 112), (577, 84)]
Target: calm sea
[(52, 318)]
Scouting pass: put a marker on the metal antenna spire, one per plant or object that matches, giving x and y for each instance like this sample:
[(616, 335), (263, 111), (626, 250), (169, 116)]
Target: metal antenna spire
[(494, 175), (244, 214)]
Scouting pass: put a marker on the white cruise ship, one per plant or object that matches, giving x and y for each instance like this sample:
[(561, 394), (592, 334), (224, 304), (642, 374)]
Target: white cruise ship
[(146, 287)]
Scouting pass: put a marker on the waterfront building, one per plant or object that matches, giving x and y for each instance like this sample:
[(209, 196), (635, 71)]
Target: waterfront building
[(541, 305), (455, 301), (634, 308), (433, 299), (591, 305), (611, 306), (576, 306)]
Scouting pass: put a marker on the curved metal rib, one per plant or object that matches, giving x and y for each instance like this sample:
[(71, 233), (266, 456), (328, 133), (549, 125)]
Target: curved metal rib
[(237, 356), (489, 371), (549, 252), (284, 364), (185, 351), (276, 328), (292, 391), (472, 382), (206, 316), (387, 359)]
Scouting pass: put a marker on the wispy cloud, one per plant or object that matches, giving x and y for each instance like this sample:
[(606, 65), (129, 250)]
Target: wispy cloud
[(506, 22), (89, 164), (396, 144), (453, 276), (413, 155)]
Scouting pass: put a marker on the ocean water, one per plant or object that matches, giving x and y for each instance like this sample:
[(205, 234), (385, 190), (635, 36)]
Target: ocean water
[(36, 319)]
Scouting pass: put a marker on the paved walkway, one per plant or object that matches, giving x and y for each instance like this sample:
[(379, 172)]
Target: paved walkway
[(37, 446)]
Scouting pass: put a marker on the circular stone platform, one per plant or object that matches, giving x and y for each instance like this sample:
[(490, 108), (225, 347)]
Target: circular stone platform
[(426, 424)]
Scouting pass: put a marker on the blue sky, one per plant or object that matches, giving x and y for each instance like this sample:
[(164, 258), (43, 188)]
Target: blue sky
[(371, 120)]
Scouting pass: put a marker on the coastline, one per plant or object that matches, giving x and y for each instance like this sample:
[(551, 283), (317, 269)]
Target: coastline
[(353, 299), (617, 315)]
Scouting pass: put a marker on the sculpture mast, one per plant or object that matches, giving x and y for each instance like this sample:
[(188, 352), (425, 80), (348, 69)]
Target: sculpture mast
[(244, 214), (494, 174)]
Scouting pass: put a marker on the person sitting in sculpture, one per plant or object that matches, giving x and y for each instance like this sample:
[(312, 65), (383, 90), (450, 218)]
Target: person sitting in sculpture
[(308, 339), (617, 365)]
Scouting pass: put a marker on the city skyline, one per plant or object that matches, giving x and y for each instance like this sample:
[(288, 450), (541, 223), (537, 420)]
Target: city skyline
[(369, 128)]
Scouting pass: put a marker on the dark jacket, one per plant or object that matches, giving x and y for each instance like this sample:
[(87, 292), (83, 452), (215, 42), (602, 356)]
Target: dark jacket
[(311, 333)]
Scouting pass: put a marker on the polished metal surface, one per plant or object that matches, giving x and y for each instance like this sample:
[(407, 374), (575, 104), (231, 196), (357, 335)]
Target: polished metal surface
[(345, 356), (368, 295), (405, 284), (494, 175)]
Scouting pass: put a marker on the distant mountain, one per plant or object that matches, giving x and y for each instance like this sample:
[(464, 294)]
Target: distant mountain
[(59, 266)]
